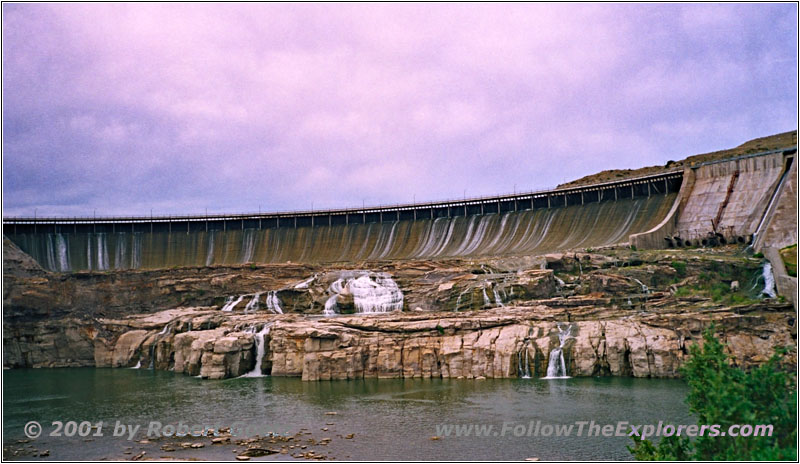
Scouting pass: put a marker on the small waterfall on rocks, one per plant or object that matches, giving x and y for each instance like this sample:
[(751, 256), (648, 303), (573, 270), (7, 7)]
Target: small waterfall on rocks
[(556, 368), (261, 347), (252, 305), (769, 280), (158, 337), (486, 300), (458, 300), (307, 282), (523, 361), (273, 302), (372, 292), (495, 293), (376, 294), (645, 289), (497, 298), (230, 303)]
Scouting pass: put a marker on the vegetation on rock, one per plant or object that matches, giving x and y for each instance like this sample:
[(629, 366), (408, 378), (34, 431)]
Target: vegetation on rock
[(723, 394), (789, 255)]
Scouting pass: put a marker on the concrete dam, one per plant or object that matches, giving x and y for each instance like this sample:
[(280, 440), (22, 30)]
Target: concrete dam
[(724, 197)]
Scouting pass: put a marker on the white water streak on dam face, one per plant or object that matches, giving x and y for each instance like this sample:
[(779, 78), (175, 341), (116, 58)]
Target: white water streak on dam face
[(527, 232)]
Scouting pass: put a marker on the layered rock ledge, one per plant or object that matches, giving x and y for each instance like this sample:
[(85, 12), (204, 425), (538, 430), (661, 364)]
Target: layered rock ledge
[(627, 313), (491, 343)]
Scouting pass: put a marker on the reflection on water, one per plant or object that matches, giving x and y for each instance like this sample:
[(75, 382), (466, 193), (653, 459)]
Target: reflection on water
[(392, 419)]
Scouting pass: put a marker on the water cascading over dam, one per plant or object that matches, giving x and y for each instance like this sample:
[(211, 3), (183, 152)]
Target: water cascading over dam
[(558, 220)]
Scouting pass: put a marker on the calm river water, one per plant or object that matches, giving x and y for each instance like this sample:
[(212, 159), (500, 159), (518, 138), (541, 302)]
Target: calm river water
[(390, 419)]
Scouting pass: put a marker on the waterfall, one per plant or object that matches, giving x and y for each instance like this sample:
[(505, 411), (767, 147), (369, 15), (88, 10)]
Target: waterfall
[(136, 251), (307, 282), (248, 245), (560, 282), (556, 368), (63, 253), (260, 339), (769, 281), (273, 302), (644, 287), (330, 306), (158, 336), (230, 303), (50, 255), (138, 363), (458, 300), (376, 294), (523, 361), (253, 304), (119, 252), (372, 293), (210, 254), (497, 298), (102, 253), (89, 253)]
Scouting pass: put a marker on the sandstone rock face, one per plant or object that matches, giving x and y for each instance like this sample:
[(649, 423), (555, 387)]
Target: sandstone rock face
[(460, 318), (481, 346), (57, 343), (213, 354), (127, 350), (490, 343)]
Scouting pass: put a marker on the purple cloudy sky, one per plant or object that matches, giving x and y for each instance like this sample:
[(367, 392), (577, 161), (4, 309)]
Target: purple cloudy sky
[(181, 107)]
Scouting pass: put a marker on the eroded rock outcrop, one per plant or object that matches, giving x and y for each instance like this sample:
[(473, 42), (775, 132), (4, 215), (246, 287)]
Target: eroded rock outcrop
[(628, 313), (490, 343)]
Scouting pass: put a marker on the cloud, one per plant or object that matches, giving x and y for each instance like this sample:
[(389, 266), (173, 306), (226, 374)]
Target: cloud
[(124, 107)]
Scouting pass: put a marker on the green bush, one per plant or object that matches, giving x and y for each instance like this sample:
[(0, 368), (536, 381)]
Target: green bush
[(682, 292), (723, 394), (680, 267), (789, 256), (718, 291)]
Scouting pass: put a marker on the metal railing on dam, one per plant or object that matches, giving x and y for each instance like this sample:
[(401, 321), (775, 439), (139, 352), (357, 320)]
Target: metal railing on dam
[(533, 222), (552, 198)]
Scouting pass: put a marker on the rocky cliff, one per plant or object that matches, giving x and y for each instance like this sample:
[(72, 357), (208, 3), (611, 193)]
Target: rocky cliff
[(608, 312)]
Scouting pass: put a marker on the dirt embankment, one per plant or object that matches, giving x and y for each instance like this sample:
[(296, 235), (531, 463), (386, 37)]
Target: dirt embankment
[(762, 144)]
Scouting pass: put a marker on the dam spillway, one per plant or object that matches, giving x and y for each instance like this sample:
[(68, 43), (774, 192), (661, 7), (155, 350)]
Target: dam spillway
[(591, 216)]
